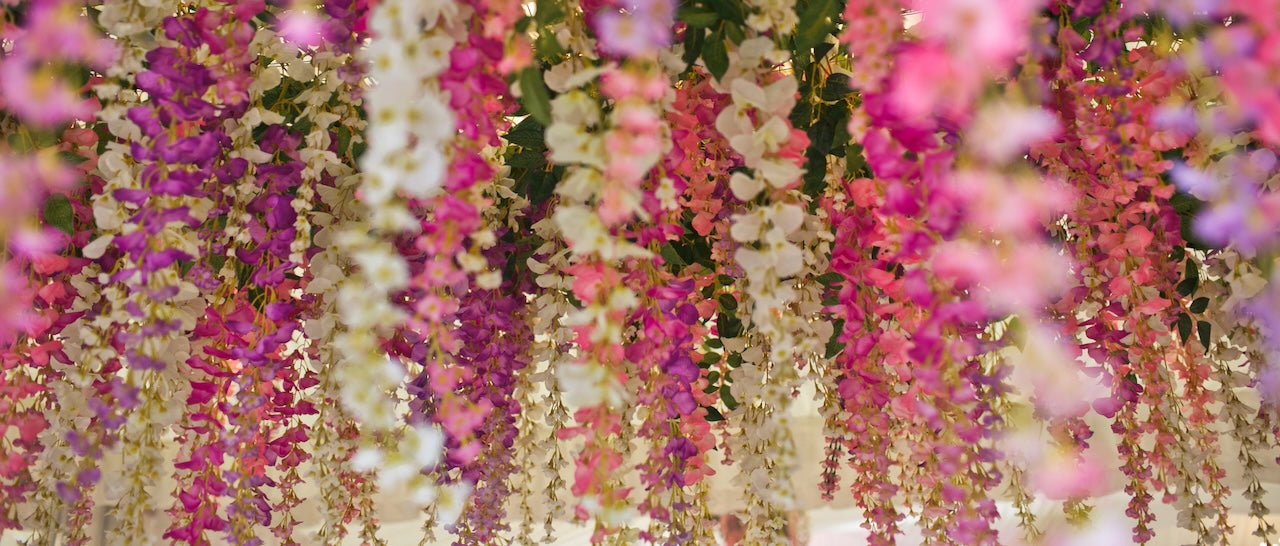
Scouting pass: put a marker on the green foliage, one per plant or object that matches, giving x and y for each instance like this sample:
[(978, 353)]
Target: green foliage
[(58, 213), (1190, 279), (1205, 331), (716, 55), (1199, 305), (1184, 327), (1187, 207), (817, 20), (698, 16), (834, 346), (534, 95)]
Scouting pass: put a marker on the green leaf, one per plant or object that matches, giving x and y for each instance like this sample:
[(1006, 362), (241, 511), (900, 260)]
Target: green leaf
[(670, 255), (1190, 279), (821, 135), (834, 347), (71, 157), (1199, 304), (815, 174), (840, 139), (730, 327), (344, 140), (830, 278), (800, 58), (733, 360), (713, 414), (548, 48), (855, 162), (542, 185), (698, 17), (58, 213), (527, 134), (1017, 333), (1185, 204), (802, 114), (302, 126), (731, 10), (693, 40), (727, 302), (713, 377), (534, 95), (715, 55), (1204, 330), (727, 397), (1188, 206), (528, 159), (702, 253), (549, 12), (708, 359), (1184, 327), (216, 261), (687, 255), (816, 22), (836, 87), (735, 33), (358, 146), (19, 144), (821, 50), (522, 26)]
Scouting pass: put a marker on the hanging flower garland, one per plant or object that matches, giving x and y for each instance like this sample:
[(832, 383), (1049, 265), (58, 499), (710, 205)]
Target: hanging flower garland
[(575, 260)]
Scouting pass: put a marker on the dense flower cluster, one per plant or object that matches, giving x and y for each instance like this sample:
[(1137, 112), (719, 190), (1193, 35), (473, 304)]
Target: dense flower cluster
[(527, 262)]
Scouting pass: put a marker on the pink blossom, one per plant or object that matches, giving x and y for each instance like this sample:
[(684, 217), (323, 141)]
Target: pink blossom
[(929, 80), (56, 31), (982, 31), (634, 34), (38, 96), (1008, 206), (302, 28)]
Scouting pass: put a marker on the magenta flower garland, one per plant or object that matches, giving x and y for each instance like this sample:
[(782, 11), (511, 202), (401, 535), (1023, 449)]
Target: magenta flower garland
[(270, 266)]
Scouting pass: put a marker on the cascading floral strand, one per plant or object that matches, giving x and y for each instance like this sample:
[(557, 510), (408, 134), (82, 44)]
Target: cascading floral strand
[(285, 272)]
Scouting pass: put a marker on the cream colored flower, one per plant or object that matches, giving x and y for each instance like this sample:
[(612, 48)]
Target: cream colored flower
[(574, 144), (767, 139), (776, 99), (745, 187)]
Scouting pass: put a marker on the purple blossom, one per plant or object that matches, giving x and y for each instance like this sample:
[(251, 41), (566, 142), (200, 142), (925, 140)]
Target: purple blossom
[(683, 368), (89, 476), (145, 118), (199, 150), (1195, 182), (681, 448), (684, 403), (155, 261), (1239, 211)]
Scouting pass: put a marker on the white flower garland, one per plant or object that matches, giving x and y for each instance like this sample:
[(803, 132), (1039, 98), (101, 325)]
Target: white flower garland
[(540, 455), (409, 123), (774, 266)]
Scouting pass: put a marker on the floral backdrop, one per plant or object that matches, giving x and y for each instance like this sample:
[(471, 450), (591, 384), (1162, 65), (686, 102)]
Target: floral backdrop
[(568, 253)]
